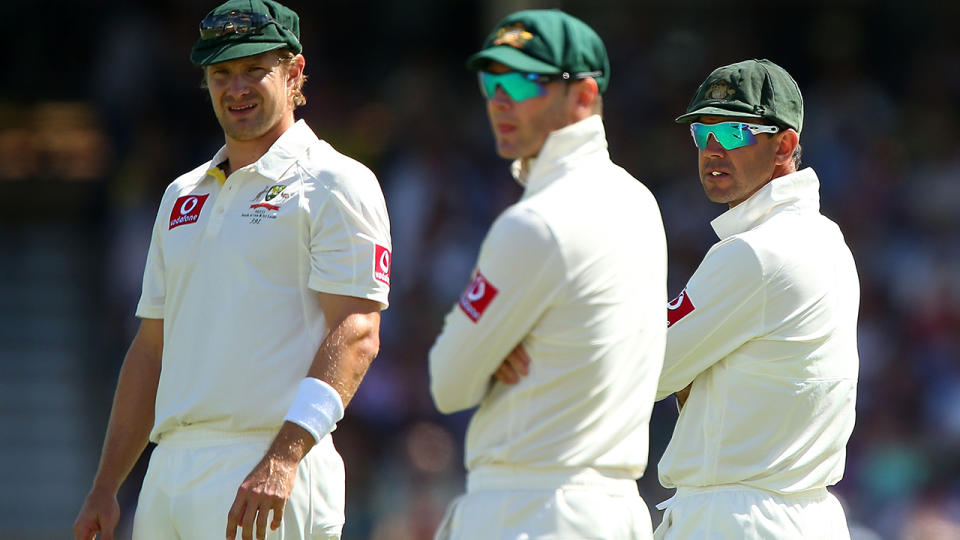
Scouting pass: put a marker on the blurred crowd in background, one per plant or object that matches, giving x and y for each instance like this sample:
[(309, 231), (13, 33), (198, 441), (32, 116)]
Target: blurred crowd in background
[(100, 109)]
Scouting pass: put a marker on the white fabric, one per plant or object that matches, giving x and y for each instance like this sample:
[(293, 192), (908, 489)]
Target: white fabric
[(770, 347), (235, 284), (741, 513), (317, 408), (194, 475), (579, 264), (510, 503)]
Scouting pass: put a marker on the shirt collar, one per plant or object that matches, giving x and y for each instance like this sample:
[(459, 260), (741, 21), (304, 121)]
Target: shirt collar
[(281, 155), (794, 191), (567, 145)]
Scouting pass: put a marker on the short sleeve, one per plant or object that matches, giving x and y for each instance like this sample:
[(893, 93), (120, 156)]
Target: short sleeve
[(154, 291), (350, 248)]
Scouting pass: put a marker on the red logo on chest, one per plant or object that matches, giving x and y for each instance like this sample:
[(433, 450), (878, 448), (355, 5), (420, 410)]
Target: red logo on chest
[(477, 297), (187, 210), (679, 307), (381, 264)]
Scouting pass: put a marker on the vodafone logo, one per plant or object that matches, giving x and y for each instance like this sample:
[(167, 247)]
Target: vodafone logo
[(477, 297), (679, 307), (477, 289), (381, 264), (186, 210)]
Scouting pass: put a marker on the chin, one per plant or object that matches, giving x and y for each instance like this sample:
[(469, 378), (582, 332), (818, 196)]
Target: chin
[(506, 153)]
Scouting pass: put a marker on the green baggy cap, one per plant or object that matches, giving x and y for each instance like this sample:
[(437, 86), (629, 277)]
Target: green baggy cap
[(240, 28), (546, 41), (753, 89)]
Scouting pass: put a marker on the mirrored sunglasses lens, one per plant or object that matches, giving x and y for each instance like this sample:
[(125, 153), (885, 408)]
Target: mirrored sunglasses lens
[(515, 84), (730, 135), (733, 135)]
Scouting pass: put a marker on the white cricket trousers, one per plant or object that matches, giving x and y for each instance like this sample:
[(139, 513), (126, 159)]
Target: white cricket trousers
[(511, 503), (742, 513), (193, 478)]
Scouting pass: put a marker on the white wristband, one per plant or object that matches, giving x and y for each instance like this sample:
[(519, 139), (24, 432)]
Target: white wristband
[(317, 408)]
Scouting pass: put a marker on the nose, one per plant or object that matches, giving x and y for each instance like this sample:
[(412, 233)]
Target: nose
[(500, 99), (237, 86), (713, 147)]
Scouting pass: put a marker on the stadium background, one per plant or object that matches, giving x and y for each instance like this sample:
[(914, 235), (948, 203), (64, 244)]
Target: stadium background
[(100, 109)]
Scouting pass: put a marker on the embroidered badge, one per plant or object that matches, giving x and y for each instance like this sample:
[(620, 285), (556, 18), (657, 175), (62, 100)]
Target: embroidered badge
[(477, 297), (515, 36), (266, 203), (381, 264), (186, 210), (679, 307), (720, 91)]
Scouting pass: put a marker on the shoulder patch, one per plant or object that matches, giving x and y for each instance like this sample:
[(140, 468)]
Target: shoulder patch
[(477, 297), (381, 264), (679, 307)]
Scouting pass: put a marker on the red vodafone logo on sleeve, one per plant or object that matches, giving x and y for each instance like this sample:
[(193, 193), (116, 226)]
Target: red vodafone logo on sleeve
[(477, 297), (679, 307), (381, 264), (187, 210)]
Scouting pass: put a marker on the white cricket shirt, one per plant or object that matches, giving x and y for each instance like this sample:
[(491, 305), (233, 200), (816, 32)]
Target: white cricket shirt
[(574, 271), (766, 331), (232, 270)]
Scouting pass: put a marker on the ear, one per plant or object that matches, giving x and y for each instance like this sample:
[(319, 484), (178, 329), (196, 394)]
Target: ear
[(584, 95), (296, 69), (788, 141)]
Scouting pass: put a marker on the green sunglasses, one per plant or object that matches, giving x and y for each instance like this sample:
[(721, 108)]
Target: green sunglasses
[(521, 86), (730, 135)]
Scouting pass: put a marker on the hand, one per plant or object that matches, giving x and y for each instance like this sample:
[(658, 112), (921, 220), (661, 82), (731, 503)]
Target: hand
[(513, 367), (682, 396), (266, 488), (100, 514)]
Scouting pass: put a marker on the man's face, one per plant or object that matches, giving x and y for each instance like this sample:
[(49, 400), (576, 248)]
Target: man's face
[(732, 176), (521, 127), (249, 95)]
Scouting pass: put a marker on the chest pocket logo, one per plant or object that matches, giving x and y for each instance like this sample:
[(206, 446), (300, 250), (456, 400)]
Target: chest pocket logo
[(266, 203), (186, 210)]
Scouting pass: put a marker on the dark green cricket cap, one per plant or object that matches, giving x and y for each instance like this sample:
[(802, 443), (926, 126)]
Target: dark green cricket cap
[(752, 89), (247, 28), (546, 41)]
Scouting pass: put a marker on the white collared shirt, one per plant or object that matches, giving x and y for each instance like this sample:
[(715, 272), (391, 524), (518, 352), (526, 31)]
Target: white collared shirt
[(574, 271), (232, 270), (766, 331)]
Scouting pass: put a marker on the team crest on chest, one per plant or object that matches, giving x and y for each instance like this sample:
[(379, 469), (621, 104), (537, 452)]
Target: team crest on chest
[(266, 203)]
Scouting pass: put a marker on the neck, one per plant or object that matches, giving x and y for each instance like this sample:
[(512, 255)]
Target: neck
[(783, 170), (243, 153)]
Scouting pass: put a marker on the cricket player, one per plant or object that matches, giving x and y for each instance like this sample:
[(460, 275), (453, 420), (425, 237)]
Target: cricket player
[(765, 330), (267, 270), (565, 295)]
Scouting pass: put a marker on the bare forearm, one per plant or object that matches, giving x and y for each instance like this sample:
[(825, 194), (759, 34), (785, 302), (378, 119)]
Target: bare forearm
[(345, 355), (131, 417)]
